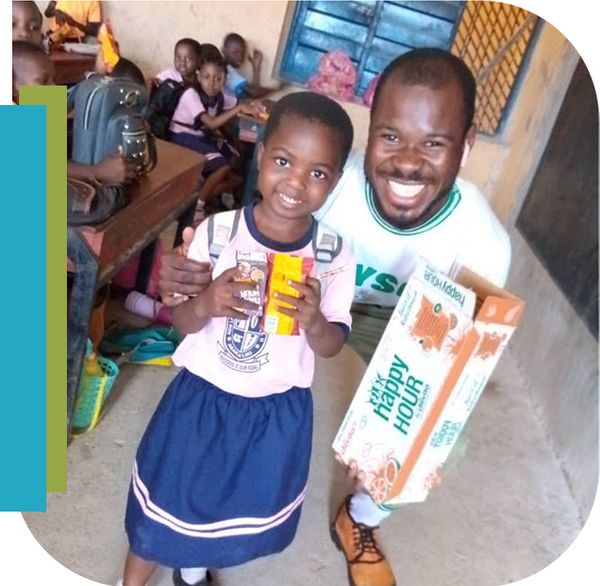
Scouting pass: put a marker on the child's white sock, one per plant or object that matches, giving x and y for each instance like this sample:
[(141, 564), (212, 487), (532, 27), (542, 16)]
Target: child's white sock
[(364, 510), (193, 575)]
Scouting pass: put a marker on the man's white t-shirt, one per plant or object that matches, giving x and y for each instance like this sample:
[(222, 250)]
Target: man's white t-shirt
[(465, 232)]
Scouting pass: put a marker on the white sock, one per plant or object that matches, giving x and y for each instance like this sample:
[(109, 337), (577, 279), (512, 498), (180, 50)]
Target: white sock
[(193, 575), (364, 510)]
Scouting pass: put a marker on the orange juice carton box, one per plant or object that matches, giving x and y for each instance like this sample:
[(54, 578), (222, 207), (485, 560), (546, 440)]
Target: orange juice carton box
[(438, 350), (253, 268), (283, 268)]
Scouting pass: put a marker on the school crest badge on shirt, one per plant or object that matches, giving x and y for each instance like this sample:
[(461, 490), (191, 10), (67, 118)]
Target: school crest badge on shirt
[(243, 346)]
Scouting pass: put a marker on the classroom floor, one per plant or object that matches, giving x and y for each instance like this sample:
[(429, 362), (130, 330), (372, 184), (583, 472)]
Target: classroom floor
[(503, 514)]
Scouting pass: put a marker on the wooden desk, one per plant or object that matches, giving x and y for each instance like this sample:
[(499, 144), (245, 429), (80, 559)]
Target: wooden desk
[(251, 130), (70, 68), (95, 253)]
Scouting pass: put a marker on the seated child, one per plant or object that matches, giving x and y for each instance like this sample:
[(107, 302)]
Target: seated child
[(221, 471), (30, 66), (26, 22), (73, 21), (129, 70), (185, 63), (201, 115), (234, 51)]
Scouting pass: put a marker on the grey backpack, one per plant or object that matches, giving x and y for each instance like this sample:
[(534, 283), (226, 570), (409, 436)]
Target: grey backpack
[(108, 115), (223, 227)]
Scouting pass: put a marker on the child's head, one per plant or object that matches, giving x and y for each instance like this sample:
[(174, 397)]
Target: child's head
[(234, 49), (187, 54), (129, 70), (207, 49), (31, 66), (307, 141), (211, 73), (26, 22)]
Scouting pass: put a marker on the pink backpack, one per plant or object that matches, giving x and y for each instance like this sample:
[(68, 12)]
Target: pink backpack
[(126, 277), (336, 76)]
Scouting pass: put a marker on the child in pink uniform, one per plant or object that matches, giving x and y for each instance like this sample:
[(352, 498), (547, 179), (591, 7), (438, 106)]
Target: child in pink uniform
[(220, 475)]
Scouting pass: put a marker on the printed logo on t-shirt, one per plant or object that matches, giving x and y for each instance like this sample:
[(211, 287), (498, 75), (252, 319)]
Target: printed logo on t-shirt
[(243, 345)]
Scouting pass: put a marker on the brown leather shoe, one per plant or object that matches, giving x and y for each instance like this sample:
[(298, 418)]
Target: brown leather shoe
[(366, 563)]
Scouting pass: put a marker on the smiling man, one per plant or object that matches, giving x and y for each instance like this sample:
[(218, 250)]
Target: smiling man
[(403, 200), (399, 201)]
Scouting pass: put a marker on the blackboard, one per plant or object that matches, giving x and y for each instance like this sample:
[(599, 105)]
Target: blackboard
[(559, 217)]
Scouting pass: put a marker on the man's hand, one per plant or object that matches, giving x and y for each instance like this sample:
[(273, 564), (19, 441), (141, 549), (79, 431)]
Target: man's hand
[(181, 277), (353, 473)]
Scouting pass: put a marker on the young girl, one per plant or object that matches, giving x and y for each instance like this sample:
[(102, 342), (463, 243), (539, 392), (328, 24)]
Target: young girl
[(185, 62), (220, 474), (204, 110)]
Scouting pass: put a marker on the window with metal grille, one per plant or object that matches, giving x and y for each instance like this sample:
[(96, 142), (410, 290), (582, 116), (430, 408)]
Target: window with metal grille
[(492, 37)]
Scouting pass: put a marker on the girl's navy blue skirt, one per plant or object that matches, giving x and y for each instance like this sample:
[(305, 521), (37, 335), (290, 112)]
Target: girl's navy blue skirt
[(219, 479), (217, 154)]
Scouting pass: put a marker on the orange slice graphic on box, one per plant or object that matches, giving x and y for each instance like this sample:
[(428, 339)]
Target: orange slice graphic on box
[(489, 344), (383, 480), (378, 489), (432, 325)]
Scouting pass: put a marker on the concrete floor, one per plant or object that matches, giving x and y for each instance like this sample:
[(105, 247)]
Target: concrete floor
[(505, 512)]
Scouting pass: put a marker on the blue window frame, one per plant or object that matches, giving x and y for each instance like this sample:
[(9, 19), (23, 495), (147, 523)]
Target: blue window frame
[(371, 33)]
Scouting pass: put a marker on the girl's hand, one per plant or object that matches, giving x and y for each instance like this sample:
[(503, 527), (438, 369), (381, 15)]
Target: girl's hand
[(306, 308), (252, 108), (222, 298)]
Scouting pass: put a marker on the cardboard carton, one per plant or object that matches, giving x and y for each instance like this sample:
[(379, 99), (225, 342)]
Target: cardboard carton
[(425, 377)]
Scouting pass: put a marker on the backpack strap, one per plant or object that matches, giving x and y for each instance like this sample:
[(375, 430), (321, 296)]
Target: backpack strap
[(326, 244), (182, 88), (221, 229)]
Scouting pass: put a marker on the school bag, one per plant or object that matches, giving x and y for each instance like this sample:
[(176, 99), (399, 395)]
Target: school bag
[(223, 227), (163, 105), (164, 102), (335, 77), (90, 203), (108, 115)]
